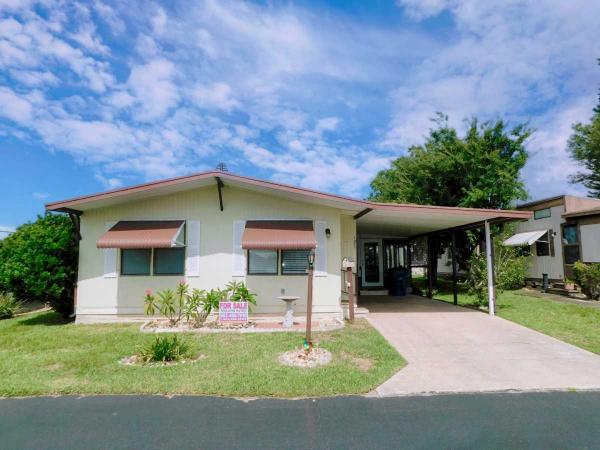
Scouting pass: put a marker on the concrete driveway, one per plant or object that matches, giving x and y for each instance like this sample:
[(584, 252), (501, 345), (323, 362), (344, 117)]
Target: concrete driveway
[(454, 349)]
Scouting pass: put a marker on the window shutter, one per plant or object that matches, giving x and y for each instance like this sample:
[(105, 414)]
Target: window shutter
[(238, 261), (192, 259), (110, 257), (551, 241), (321, 250)]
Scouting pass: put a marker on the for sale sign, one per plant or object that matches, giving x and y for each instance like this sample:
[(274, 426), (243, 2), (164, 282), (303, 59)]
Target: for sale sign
[(233, 312)]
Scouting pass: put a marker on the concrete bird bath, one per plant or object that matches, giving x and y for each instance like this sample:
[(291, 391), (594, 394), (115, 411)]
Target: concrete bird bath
[(288, 318)]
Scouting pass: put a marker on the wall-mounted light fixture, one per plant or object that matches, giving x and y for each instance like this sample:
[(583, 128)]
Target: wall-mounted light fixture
[(311, 259), (327, 233)]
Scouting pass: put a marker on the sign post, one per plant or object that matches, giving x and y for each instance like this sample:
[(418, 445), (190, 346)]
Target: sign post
[(308, 341)]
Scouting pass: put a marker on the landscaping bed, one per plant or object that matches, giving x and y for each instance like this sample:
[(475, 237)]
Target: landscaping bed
[(42, 355)]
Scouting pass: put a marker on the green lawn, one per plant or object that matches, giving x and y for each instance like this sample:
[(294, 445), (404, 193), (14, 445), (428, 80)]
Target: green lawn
[(39, 354), (575, 324)]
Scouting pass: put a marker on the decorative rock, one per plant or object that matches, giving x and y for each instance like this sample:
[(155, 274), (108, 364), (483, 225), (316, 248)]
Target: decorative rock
[(299, 358), (135, 360)]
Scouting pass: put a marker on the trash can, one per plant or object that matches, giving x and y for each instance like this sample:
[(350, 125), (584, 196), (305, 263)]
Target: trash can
[(398, 282)]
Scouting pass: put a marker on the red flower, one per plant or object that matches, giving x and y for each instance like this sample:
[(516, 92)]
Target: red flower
[(148, 292)]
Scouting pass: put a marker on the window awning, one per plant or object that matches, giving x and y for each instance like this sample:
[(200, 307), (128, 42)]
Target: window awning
[(526, 238), (144, 234), (279, 234)]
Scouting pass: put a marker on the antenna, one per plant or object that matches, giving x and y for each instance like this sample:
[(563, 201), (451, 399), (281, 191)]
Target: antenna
[(222, 167)]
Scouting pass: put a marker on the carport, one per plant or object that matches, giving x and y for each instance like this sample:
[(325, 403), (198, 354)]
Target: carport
[(392, 233)]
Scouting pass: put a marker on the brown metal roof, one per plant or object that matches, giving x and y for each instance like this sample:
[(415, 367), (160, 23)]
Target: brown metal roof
[(350, 203), (143, 234), (583, 213), (279, 234)]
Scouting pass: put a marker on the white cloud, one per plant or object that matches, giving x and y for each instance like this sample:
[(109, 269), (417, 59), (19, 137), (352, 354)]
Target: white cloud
[(41, 195), (522, 61), (109, 16), (159, 21), (154, 89), (216, 95), (15, 107), (146, 91), (109, 182)]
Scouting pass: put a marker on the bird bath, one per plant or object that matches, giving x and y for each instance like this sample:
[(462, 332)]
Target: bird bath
[(288, 318)]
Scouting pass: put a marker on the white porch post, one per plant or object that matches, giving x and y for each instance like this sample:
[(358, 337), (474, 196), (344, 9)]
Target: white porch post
[(490, 270)]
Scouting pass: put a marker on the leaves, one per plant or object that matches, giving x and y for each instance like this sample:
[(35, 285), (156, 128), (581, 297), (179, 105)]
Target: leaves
[(39, 262), (584, 146), (195, 306), (479, 170)]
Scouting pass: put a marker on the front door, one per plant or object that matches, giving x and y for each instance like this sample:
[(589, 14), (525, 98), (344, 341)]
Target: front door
[(372, 262)]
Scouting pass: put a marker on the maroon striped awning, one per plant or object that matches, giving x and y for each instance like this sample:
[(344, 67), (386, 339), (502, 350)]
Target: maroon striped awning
[(143, 234), (279, 234)]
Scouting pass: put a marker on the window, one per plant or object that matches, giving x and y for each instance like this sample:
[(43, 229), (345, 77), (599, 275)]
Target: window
[(169, 261), (542, 248), (570, 239), (294, 262), (542, 213), (570, 235), (135, 261), (262, 262)]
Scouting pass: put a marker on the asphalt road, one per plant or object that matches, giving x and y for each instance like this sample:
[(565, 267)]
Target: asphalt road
[(533, 420)]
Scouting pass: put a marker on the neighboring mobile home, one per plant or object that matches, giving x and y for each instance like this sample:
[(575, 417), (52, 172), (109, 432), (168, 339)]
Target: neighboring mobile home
[(214, 227), (563, 230)]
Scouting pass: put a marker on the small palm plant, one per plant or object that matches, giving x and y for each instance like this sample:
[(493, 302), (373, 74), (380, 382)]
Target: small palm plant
[(164, 349)]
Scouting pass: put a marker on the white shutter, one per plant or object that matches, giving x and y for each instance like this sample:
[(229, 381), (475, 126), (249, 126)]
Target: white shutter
[(321, 250), (110, 257), (192, 259), (238, 259)]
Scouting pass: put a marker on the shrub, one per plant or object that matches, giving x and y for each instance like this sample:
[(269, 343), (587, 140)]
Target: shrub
[(195, 306), (163, 349), (588, 277), (38, 262), (9, 305), (510, 268)]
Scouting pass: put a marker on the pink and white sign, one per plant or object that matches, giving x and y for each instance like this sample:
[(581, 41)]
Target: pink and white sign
[(233, 312)]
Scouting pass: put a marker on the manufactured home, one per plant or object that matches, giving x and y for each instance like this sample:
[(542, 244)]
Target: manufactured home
[(214, 227), (562, 230)]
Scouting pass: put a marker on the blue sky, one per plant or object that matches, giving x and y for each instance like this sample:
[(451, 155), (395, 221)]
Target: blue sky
[(98, 95)]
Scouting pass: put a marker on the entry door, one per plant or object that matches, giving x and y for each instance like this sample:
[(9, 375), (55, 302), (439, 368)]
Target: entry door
[(372, 262)]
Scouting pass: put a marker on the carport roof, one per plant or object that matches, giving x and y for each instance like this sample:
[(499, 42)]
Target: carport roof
[(394, 219)]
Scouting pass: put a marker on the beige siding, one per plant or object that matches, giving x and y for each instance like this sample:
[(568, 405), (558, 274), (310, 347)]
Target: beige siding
[(123, 295), (590, 242), (552, 265)]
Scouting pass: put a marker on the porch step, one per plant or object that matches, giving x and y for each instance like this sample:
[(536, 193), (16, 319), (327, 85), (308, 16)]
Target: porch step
[(374, 292)]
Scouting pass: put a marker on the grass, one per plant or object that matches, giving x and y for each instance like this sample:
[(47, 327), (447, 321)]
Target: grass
[(572, 323), (41, 355)]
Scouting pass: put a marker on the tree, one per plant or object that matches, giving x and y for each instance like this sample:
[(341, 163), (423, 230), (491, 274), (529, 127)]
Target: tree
[(480, 170), (510, 268), (39, 262), (584, 147)]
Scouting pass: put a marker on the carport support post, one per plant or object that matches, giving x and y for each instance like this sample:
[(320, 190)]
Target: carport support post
[(490, 269), (429, 268), (454, 284)]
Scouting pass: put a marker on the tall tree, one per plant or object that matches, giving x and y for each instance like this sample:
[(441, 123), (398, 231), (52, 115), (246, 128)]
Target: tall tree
[(584, 146), (479, 170)]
